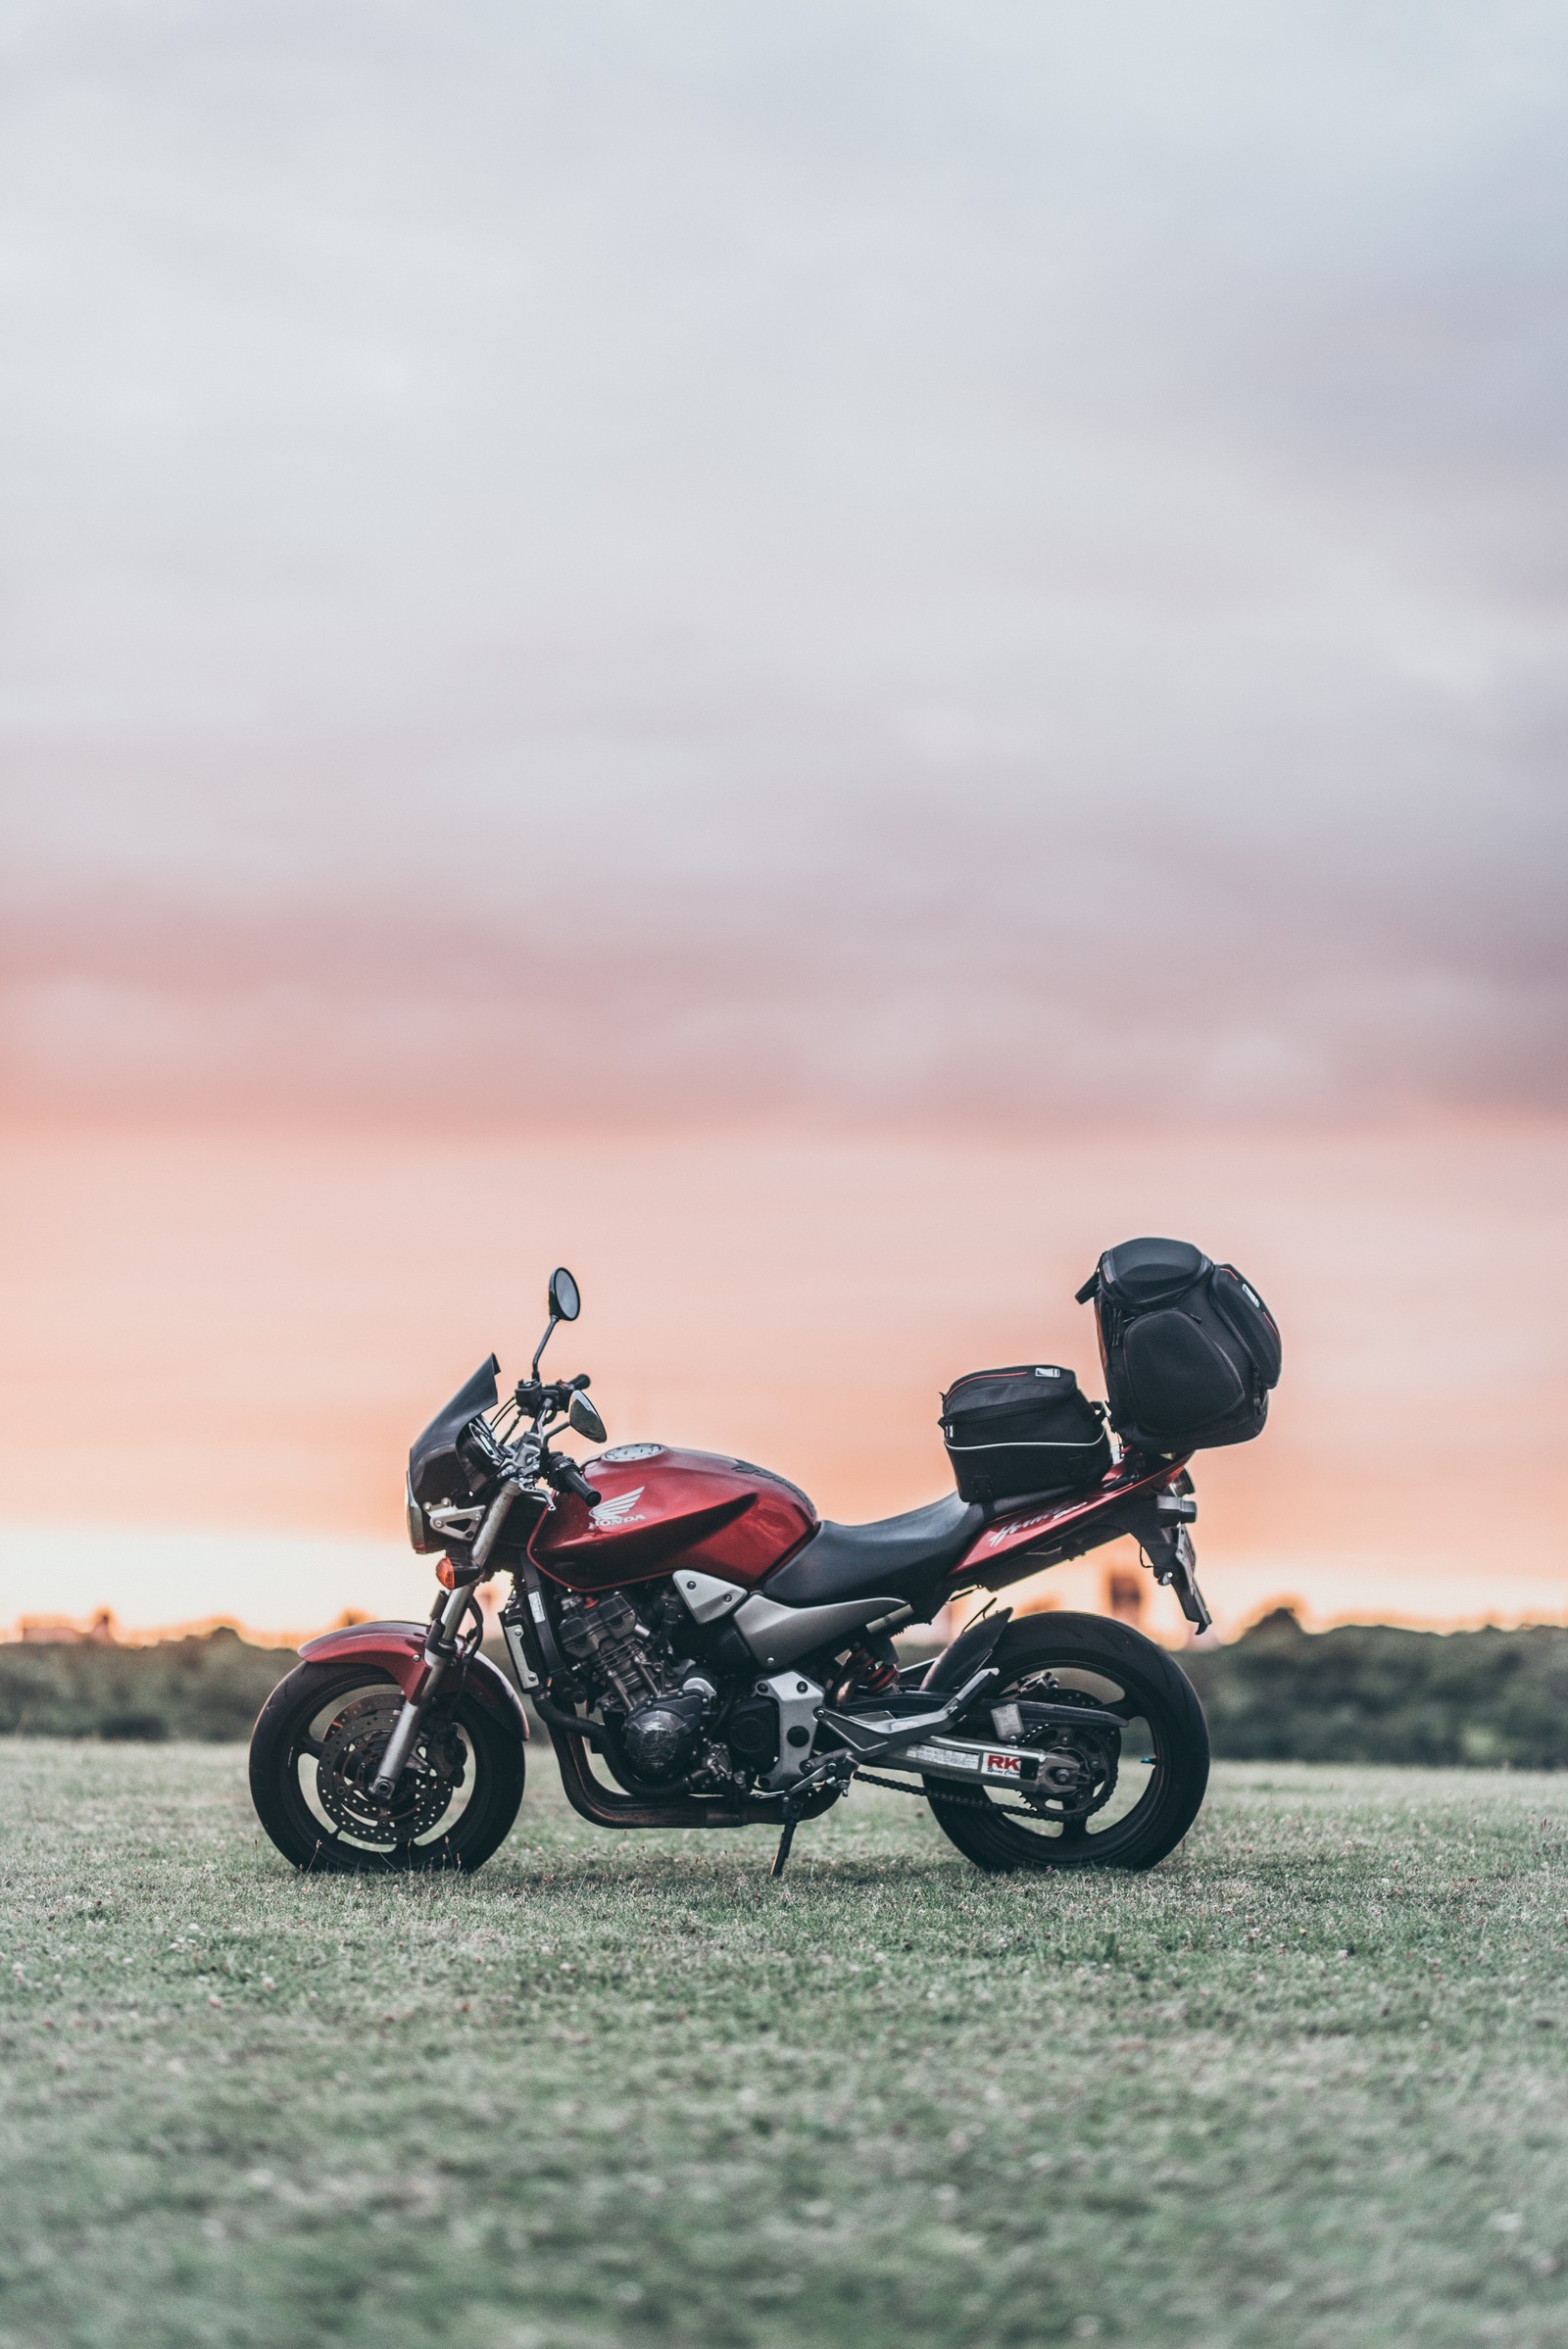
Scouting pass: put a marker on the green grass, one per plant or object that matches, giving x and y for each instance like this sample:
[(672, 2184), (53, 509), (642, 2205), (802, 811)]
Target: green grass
[(1306, 2085)]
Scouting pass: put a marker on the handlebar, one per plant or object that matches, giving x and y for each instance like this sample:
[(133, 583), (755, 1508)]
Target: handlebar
[(567, 1477), (555, 1392)]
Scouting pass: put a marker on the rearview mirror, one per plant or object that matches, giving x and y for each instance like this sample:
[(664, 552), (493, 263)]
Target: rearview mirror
[(565, 1305), (585, 1419)]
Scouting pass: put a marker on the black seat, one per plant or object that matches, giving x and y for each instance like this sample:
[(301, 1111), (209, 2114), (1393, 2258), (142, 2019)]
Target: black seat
[(899, 1555)]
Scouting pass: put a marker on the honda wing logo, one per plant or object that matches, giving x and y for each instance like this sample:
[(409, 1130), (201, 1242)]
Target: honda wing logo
[(619, 1511)]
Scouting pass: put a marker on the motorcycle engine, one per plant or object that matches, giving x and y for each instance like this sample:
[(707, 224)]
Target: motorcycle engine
[(664, 1701)]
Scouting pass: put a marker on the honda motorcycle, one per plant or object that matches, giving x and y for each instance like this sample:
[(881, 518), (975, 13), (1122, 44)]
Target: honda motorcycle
[(703, 1651)]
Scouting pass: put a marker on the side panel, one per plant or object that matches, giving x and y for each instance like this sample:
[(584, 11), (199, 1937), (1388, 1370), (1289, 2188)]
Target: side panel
[(1082, 1520), (663, 1507)]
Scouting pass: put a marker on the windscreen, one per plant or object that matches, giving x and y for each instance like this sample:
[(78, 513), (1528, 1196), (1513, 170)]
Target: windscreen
[(433, 1471)]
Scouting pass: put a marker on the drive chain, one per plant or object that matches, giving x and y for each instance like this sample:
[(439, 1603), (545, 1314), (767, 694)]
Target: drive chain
[(959, 1797)]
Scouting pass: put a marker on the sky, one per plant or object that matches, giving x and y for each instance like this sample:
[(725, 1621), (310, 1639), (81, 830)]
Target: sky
[(829, 656)]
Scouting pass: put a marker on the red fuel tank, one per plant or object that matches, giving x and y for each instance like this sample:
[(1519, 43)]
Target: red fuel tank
[(660, 1508)]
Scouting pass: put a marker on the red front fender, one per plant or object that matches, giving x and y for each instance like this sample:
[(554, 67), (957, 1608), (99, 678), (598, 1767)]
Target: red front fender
[(398, 1648)]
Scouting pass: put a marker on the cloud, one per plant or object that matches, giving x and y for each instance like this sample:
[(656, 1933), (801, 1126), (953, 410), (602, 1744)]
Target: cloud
[(875, 562)]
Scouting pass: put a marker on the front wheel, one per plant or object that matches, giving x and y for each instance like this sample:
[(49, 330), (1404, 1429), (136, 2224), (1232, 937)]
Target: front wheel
[(1105, 1797), (314, 1751)]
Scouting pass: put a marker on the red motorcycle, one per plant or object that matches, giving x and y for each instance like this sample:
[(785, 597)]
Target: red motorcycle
[(703, 1653)]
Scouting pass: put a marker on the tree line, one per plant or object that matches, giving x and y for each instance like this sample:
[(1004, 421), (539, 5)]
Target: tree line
[(1366, 1692)]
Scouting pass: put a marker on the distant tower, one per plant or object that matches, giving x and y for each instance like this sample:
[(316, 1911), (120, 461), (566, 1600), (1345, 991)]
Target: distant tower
[(1124, 1593)]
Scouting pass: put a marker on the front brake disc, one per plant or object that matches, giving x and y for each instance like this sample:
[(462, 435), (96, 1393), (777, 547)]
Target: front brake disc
[(345, 1772)]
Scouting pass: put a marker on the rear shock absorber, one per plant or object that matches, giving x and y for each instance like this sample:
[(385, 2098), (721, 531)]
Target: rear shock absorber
[(869, 1670)]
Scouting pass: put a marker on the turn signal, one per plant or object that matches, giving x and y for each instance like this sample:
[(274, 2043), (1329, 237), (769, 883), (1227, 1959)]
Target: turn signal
[(446, 1574)]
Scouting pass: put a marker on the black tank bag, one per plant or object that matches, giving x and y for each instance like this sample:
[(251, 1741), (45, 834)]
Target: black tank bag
[(1189, 1349), (1022, 1430)]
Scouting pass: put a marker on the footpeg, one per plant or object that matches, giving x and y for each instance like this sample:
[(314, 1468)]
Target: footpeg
[(869, 1735)]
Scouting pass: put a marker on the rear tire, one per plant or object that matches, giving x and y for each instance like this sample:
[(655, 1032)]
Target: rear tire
[(1161, 1775), (300, 1776)]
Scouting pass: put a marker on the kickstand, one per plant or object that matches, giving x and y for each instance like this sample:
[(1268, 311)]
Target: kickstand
[(836, 1770), (791, 1822)]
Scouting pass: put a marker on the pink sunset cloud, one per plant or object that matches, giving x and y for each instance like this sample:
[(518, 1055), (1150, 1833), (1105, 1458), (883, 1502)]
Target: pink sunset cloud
[(825, 663)]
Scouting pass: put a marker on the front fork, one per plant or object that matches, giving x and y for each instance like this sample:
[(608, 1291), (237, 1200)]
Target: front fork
[(441, 1648)]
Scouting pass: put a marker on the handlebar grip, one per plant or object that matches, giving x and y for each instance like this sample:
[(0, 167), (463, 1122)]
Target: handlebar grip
[(570, 1479)]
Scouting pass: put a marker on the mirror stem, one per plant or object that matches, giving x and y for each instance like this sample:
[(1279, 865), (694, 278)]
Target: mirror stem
[(533, 1371)]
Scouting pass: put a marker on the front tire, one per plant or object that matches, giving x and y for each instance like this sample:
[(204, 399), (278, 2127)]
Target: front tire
[(314, 1751), (1134, 1794)]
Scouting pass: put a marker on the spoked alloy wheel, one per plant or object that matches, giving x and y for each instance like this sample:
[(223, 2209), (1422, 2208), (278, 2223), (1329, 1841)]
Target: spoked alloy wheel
[(1107, 1798), (315, 1753)]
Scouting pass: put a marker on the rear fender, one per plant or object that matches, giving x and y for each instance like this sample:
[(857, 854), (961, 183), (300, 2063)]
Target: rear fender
[(967, 1652), (398, 1649)]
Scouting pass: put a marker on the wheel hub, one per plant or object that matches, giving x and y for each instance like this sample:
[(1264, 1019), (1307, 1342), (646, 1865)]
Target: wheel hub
[(1077, 1770)]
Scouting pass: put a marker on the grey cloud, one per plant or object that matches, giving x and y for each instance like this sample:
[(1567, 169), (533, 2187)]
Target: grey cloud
[(934, 562)]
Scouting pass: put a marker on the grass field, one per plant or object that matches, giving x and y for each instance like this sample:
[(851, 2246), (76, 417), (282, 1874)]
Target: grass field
[(1305, 2084)]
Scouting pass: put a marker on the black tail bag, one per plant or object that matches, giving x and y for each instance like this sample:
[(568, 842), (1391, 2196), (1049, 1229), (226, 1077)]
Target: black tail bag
[(1028, 1430), (1189, 1349)]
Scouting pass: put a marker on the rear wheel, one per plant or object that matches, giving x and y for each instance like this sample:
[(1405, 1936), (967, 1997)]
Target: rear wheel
[(1107, 1798), (315, 1752)]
